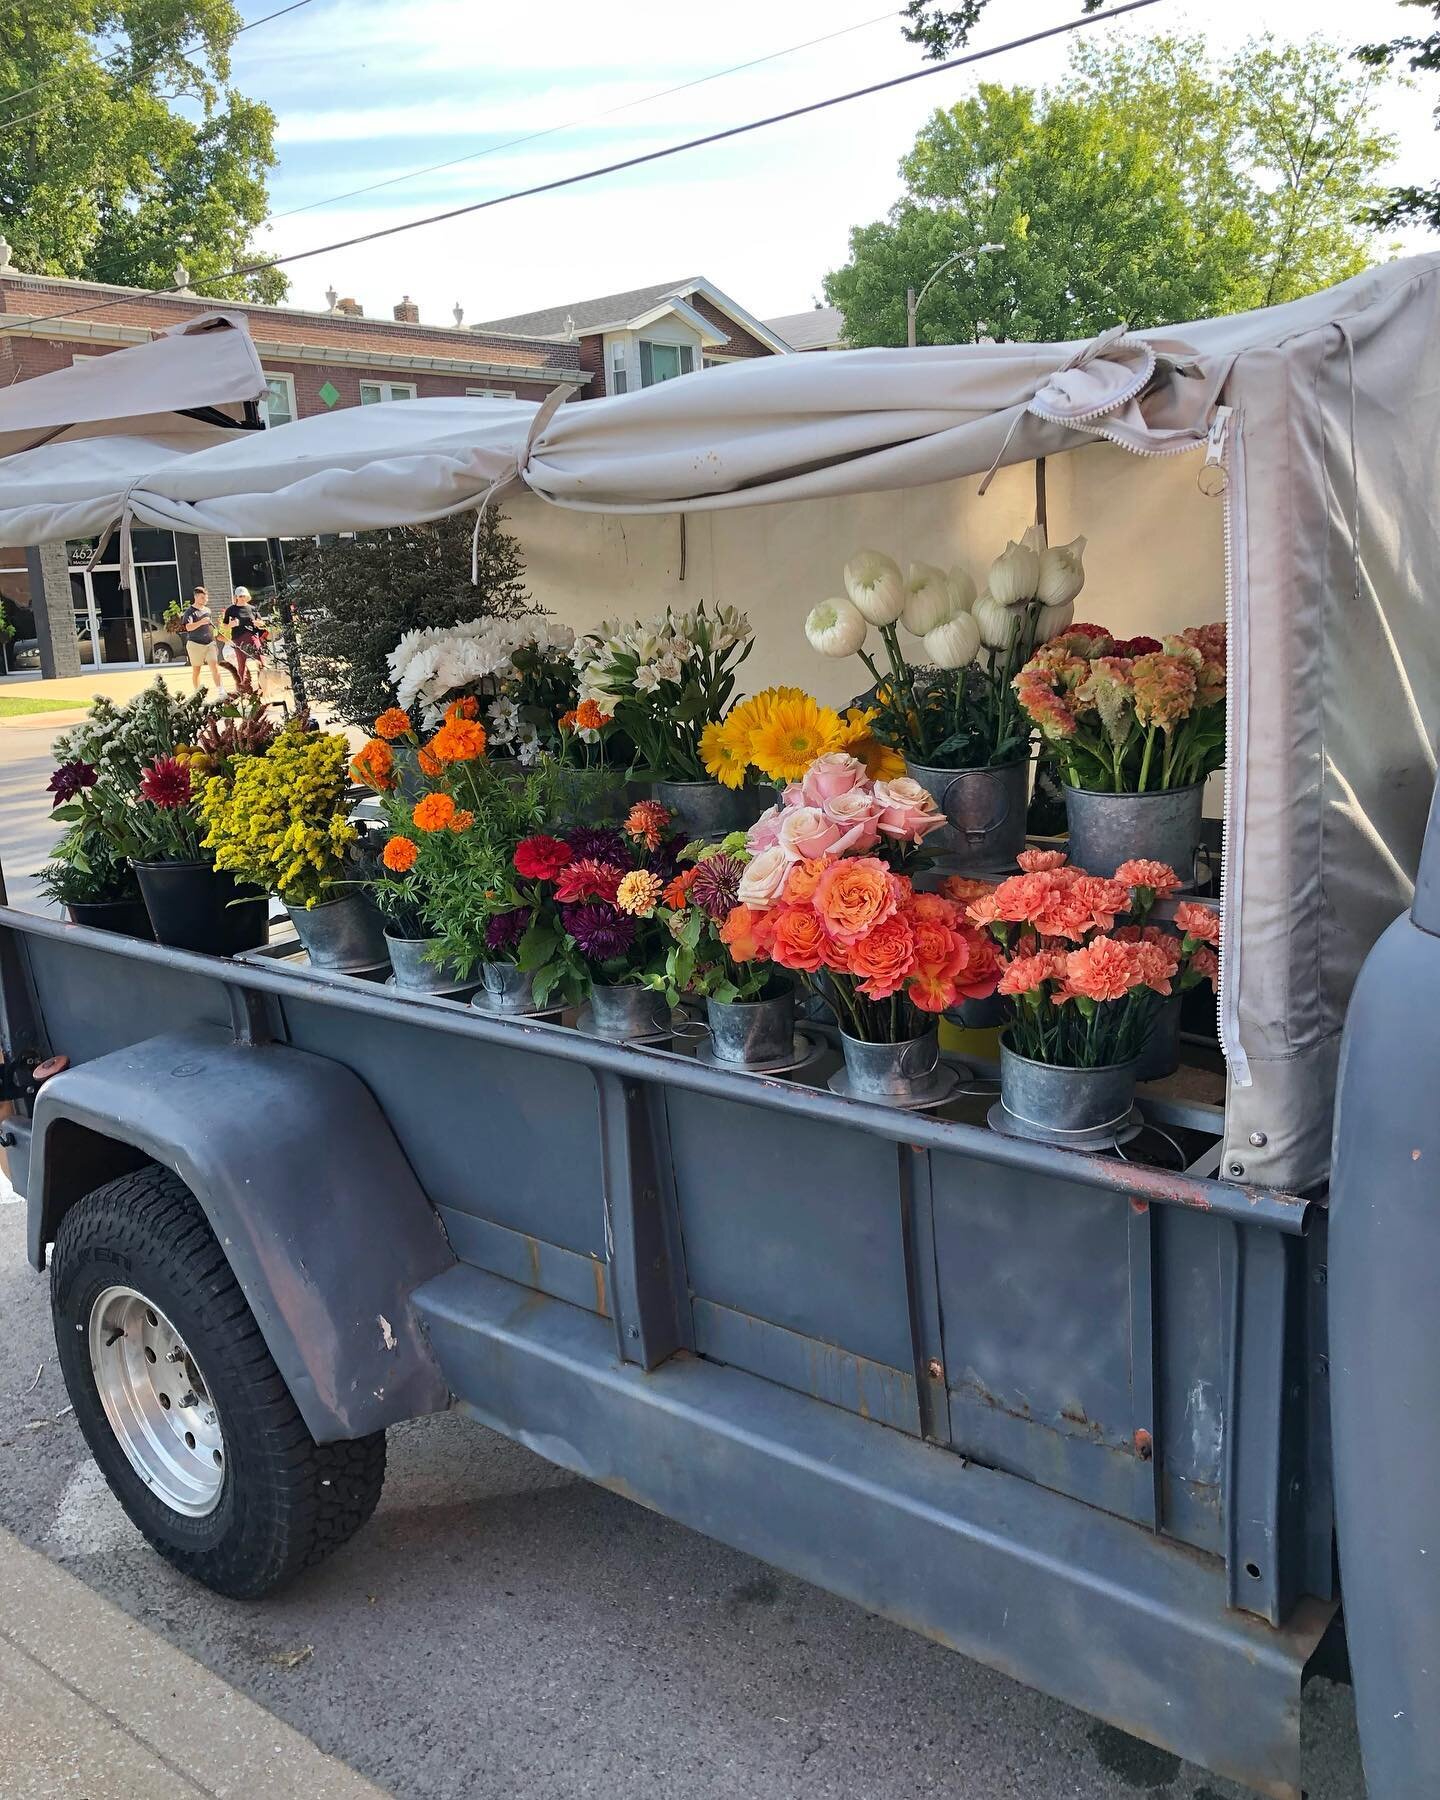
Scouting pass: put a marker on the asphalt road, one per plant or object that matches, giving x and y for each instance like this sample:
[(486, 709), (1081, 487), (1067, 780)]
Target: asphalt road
[(504, 1631)]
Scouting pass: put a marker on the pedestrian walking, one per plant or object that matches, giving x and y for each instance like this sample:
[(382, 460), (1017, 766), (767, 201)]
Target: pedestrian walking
[(197, 626)]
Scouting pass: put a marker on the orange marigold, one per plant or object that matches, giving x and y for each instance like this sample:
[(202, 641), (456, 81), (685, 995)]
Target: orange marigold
[(375, 766), (399, 854), (458, 740), (588, 716), (462, 820), (393, 723), (430, 763), (467, 707), (433, 812)]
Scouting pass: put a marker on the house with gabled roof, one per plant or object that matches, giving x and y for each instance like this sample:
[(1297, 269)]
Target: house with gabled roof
[(649, 334)]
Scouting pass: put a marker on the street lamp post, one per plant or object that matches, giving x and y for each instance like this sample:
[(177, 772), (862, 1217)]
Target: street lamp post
[(912, 299)]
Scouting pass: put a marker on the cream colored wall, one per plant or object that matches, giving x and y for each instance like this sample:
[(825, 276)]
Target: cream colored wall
[(1154, 557)]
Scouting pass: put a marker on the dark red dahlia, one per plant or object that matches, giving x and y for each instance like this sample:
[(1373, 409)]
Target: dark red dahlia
[(70, 779), (166, 783), (541, 858), (600, 932)]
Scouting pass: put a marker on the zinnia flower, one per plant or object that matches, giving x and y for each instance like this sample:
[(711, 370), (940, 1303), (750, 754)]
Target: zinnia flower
[(399, 854), (541, 858), (166, 783), (855, 895), (504, 932), (393, 723), (715, 884), (433, 812), (794, 730), (598, 931), (586, 878), (639, 893), (458, 740), (647, 821), (1199, 924), (70, 779), (677, 892)]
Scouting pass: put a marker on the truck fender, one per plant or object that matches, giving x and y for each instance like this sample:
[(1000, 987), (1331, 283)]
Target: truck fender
[(301, 1179)]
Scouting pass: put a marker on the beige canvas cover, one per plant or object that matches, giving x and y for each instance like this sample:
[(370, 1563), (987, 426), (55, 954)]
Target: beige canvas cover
[(1319, 418)]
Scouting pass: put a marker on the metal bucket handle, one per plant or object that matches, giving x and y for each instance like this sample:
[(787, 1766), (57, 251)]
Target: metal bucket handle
[(974, 834), (919, 1074)]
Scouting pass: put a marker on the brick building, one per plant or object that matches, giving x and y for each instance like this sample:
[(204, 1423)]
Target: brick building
[(64, 616)]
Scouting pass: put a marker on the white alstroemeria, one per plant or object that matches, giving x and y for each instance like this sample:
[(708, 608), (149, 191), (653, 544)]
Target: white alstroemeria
[(929, 599), (681, 648), (875, 586), (962, 585), (998, 624), (835, 628), (1015, 574), (1062, 572), (954, 642), (670, 667), (1050, 621), (647, 678)]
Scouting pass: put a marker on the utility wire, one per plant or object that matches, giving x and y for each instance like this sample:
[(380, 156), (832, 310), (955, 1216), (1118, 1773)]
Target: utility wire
[(615, 168), (184, 50), (588, 119)]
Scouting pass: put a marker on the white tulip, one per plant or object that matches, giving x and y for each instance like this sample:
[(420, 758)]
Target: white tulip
[(875, 585), (1050, 621), (929, 599), (953, 644), (835, 628), (998, 624), (1015, 574), (1062, 573), (963, 588)]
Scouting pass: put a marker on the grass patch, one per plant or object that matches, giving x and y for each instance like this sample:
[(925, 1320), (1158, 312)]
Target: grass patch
[(12, 706)]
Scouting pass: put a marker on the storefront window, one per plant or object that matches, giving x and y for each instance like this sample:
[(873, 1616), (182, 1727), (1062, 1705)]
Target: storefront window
[(115, 627), (250, 567), (19, 644)]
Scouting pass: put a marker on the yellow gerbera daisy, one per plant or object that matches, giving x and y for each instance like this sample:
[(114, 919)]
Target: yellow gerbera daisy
[(725, 749), (858, 737), (793, 730)]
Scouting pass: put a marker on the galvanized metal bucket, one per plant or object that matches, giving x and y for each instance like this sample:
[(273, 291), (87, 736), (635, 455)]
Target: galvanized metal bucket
[(979, 1015), (508, 987), (902, 1071), (1054, 1102), (343, 934), (1109, 829), (985, 810), (1161, 1055), (706, 809), (752, 1031), (414, 969), (625, 1011)]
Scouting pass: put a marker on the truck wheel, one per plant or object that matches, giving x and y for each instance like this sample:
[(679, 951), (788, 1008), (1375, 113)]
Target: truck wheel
[(181, 1403)]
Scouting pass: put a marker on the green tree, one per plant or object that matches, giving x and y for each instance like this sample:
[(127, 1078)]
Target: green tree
[(356, 597), (123, 150), (1410, 205), (1151, 185)]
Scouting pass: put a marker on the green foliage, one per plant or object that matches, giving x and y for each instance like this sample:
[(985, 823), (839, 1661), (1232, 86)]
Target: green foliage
[(944, 30), (356, 597), (86, 869), (1153, 184), (1413, 204), (132, 154)]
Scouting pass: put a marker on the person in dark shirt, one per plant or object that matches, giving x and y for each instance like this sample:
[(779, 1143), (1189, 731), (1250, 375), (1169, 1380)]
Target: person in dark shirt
[(247, 635), (197, 627)]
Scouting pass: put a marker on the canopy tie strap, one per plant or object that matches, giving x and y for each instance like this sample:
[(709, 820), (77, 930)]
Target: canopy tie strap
[(545, 412), (125, 524)]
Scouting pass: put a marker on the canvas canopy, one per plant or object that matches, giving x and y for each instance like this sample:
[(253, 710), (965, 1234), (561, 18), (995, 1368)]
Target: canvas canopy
[(1319, 419)]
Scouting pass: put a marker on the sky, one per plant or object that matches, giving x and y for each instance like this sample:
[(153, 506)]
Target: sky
[(368, 90)]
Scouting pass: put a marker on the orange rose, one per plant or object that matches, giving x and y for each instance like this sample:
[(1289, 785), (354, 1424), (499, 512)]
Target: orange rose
[(393, 723), (399, 854), (458, 740), (803, 879), (935, 907), (882, 959), (939, 950), (374, 767), (931, 991), (746, 934), (854, 895), (433, 812), (800, 940)]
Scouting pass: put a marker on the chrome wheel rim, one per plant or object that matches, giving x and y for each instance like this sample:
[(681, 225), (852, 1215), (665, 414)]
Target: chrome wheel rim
[(156, 1401)]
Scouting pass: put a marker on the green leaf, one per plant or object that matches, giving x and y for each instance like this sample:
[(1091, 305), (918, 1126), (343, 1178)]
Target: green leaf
[(536, 947)]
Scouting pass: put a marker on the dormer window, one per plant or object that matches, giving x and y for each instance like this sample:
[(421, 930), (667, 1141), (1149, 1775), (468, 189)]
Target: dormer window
[(663, 362)]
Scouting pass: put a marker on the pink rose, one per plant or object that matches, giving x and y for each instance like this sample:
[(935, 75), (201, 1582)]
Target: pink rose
[(906, 810), (764, 879), (764, 834), (857, 814), (805, 831), (828, 777)]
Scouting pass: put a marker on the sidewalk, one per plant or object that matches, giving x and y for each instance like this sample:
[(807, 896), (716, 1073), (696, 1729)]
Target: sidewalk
[(67, 690), (96, 1707)]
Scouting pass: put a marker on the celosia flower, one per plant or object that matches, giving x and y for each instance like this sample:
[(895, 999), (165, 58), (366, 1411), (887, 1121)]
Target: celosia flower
[(541, 858), (1129, 647), (374, 766), (166, 784), (639, 893), (854, 895), (715, 884), (399, 854), (1164, 689), (393, 723), (504, 932), (1103, 969), (798, 940), (1036, 862), (1110, 690), (1157, 878), (647, 822), (1198, 923), (433, 812), (458, 740), (747, 934), (599, 932), (70, 779)]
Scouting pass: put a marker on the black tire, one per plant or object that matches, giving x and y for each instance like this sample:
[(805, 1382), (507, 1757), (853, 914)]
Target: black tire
[(286, 1502), (162, 653)]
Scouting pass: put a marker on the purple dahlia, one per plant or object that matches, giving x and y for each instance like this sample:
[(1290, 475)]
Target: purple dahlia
[(505, 930), (600, 932), (716, 887), (70, 779), (602, 843)]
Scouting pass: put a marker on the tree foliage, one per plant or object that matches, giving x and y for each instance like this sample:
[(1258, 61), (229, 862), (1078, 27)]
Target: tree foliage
[(356, 597), (1150, 185), (1410, 205), (124, 152)]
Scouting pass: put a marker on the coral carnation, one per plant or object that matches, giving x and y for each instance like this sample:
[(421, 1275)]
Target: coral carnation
[(1144, 872), (1198, 922), (1104, 970), (1036, 862)]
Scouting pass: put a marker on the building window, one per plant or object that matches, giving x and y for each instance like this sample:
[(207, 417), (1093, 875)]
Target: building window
[(619, 379), (373, 392), (663, 362), (490, 393), (19, 645), (280, 399)]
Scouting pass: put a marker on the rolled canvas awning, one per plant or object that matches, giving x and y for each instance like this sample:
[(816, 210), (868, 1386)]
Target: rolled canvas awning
[(1330, 449)]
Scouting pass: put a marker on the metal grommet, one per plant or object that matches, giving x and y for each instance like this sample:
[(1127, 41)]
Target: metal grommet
[(1259, 1139)]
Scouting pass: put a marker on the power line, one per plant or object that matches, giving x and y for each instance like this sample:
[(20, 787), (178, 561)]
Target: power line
[(588, 119), (185, 49), (615, 168)]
